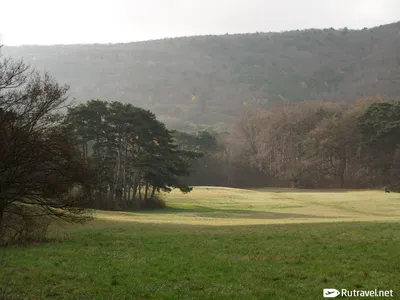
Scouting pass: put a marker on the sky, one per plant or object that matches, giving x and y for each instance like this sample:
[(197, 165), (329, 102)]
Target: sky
[(46, 22)]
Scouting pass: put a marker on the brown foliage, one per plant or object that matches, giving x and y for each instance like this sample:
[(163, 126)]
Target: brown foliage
[(307, 144)]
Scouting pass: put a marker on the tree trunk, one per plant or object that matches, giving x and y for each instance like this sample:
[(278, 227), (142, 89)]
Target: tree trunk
[(125, 193), (112, 199), (153, 191), (124, 174), (100, 197), (341, 180), (2, 209), (97, 197), (135, 199), (146, 191), (104, 197), (140, 191), (342, 171), (118, 197), (84, 151), (135, 189), (129, 193), (118, 181), (294, 180)]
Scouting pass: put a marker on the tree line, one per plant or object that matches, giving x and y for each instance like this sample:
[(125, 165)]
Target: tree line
[(309, 144)]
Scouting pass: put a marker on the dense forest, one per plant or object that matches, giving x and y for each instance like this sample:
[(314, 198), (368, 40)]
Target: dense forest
[(309, 144), (213, 79)]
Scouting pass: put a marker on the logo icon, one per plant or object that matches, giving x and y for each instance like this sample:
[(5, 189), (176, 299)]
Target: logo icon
[(331, 293)]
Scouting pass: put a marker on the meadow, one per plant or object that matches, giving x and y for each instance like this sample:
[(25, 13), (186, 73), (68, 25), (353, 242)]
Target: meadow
[(218, 243)]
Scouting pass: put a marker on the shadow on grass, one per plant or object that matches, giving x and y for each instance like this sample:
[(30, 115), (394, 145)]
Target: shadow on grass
[(287, 190), (328, 191), (207, 212), (163, 228)]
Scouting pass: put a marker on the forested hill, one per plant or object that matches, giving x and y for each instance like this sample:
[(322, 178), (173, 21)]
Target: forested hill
[(209, 79)]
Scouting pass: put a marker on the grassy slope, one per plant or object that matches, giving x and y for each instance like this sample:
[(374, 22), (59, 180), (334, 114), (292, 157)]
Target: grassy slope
[(176, 254), (226, 206)]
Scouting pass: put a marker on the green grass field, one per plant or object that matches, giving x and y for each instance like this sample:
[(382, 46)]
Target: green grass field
[(219, 243)]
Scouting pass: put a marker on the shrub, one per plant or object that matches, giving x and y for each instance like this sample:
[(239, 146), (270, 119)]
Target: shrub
[(23, 225), (154, 203)]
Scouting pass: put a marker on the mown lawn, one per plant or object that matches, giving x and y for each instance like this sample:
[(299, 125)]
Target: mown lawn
[(203, 249)]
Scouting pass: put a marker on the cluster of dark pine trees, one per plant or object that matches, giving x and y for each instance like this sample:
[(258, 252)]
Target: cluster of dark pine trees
[(131, 155)]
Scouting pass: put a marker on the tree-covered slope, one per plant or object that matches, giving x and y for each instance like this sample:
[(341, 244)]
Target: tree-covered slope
[(209, 79)]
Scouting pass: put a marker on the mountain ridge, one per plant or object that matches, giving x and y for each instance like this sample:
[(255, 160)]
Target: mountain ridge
[(214, 78)]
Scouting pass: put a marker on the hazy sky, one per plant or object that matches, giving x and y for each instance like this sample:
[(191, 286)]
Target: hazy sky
[(104, 21)]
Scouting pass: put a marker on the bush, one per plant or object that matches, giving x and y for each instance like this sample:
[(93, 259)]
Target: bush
[(23, 225), (155, 203)]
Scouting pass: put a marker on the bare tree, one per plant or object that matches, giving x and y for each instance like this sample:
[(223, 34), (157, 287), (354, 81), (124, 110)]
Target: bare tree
[(39, 162)]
